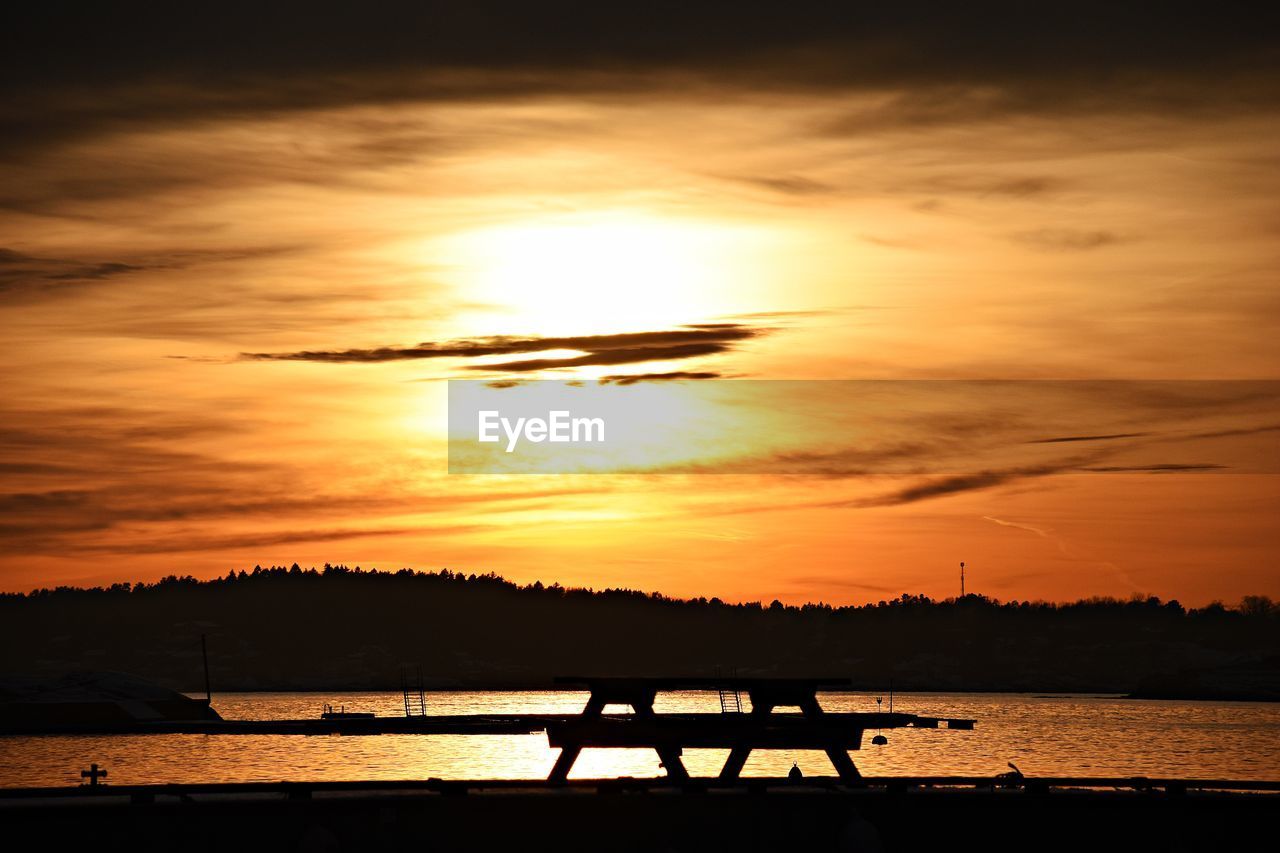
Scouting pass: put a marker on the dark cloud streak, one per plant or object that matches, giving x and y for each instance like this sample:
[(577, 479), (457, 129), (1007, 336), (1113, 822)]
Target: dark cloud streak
[(1070, 438), (1161, 468), (622, 348), (23, 275), (629, 355), (974, 481), (669, 376)]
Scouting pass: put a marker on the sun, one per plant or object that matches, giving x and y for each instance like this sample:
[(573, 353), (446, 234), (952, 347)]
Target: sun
[(602, 272)]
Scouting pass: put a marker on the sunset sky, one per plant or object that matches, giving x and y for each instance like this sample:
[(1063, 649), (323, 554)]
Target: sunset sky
[(242, 247)]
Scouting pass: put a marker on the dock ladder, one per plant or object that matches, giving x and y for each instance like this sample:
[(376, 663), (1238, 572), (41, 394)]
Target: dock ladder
[(730, 698), (415, 698)]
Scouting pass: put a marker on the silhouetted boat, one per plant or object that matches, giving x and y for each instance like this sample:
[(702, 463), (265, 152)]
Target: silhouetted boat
[(89, 700)]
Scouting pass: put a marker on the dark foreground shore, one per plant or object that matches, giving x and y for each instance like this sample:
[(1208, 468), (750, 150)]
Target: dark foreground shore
[(627, 815)]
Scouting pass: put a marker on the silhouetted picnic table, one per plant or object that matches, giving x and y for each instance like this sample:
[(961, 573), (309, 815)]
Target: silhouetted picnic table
[(762, 728)]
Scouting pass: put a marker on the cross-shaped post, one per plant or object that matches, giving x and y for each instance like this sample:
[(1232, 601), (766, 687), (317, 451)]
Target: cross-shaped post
[(93, 774)]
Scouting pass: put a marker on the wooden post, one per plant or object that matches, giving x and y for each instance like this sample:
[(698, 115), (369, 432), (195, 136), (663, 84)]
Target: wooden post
[(735, 762), (204, 653)]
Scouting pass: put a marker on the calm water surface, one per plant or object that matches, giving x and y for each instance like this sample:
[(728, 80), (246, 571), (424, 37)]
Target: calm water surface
[(1043, 735)]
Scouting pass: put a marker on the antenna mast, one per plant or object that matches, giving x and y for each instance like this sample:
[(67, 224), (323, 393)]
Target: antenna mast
[(962, 579), (204, 653)]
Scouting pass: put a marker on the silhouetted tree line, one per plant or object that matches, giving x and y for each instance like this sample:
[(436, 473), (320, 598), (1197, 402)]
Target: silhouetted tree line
[(348, 628)]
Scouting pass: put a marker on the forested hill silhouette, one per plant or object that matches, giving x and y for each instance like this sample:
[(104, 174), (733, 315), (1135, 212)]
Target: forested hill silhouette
[(340, 628)]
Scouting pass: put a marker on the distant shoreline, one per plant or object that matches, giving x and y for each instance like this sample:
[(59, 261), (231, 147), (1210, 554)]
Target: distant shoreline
[(264, 632)]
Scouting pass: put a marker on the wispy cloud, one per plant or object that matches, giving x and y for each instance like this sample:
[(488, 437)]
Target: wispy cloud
[(808, 582), (26, 277), (1039, 531), (1065, 239), (791, 185), (1231, 433), (117, 480), (187, 543), (975, 481), (1159, 468), (1070, 438)]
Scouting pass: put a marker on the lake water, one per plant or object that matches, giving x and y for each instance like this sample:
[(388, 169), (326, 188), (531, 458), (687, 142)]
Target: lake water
[(1043, 735)]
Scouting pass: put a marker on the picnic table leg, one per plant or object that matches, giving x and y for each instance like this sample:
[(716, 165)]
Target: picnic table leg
[(569, 752), (564, 763), (844, 765), (670, 756), (642, 703), (761, 704), (734, 763)]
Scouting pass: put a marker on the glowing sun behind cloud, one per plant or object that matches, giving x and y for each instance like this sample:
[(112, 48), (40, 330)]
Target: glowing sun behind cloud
[(607, 272)]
